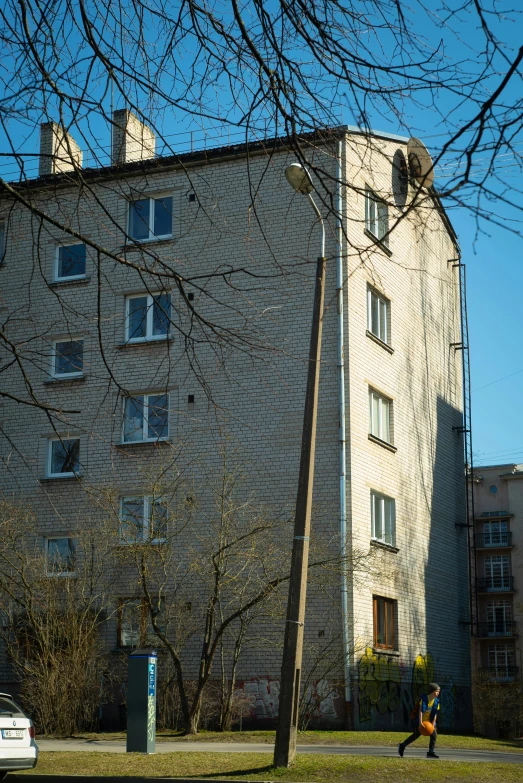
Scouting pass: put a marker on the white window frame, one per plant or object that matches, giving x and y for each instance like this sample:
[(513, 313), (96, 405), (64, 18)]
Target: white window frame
[(57, 573), (49, 461), (145, 622), (145, 416), (495, 529), (386, 505), (78, 373), (383, 311), (148, 503), (57, 277), (149, 336), (151, 199), (376, 429), (376, 216)]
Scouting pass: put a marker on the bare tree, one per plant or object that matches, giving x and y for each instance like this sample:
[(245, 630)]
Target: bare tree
[(245, 72), (54, 605)]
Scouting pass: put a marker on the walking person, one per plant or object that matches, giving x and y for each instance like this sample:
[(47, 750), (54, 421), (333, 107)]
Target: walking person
[(425, 710)]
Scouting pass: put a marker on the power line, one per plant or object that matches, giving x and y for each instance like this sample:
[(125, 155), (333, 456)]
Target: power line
[(498, 380)]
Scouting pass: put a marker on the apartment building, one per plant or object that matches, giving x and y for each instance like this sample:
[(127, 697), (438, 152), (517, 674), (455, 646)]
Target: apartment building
[(498, 535), (105, 336)]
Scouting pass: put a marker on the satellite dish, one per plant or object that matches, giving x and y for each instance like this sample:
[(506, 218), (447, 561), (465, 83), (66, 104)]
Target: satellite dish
[(421, 166)]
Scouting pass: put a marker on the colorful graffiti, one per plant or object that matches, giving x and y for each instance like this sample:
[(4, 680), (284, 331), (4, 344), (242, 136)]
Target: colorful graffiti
[(422, 674), (379, 684)]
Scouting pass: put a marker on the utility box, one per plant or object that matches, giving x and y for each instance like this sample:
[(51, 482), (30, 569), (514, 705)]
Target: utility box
[(141, 702)]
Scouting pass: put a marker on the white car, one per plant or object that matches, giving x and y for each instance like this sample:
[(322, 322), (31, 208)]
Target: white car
[(18, 749)]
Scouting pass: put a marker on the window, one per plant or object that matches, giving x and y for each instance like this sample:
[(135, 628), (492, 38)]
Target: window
[(146, 418), (60, 556), (378, 311), (383, 513), (379, 416), (499, 618), (376, 216), (151, 218), (68, 358), (134, 622), (2, 240), (497, 572), (64, 457), (148, 317), (143, 519), (495, 533), (385, 612), (501, 662), (70, 262)]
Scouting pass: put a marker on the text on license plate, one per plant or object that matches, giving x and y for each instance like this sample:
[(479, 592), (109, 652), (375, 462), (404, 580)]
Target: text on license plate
[(12, 733)]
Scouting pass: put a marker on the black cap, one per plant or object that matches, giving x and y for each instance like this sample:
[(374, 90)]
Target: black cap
[(433, 686)]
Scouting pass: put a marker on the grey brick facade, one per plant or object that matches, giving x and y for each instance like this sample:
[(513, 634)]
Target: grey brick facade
[(244, 216)]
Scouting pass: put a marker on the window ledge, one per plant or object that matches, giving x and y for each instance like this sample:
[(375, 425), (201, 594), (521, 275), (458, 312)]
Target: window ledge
[(60, 478), (132, 444), (384, 651), (377, 242), (73, 379), (383, 443), (73, 281), (138, 243), (383, 545), (147, 341), (380, 342)]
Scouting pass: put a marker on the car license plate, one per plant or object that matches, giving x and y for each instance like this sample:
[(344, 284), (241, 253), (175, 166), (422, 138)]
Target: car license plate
[(12, 733)]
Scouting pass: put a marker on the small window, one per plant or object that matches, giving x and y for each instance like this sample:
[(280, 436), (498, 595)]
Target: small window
[(60, 556), (151, 218), (383, 514), (380, 416), (148, 317), (143, 519), (70, 262), (68, 358), (134, 622), (2, 240), (385, 621), (376, 216), (64, 457), (146, 418), (378, 314)]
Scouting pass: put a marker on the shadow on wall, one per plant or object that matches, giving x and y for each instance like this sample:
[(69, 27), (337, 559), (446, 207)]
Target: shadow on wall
[(446, 573), (387, 687)]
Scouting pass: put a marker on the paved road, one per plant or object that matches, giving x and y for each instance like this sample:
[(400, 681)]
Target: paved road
[(118, 746)]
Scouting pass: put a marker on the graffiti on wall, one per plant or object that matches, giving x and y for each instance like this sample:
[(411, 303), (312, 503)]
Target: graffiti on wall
[(320, 697), (379, 684), (265, 692)]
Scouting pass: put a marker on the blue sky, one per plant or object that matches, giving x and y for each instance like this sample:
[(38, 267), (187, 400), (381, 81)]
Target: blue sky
[(493, 259)]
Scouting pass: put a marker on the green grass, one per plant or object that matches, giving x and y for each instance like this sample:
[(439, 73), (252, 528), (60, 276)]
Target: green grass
[(253, 767), (388, 738)]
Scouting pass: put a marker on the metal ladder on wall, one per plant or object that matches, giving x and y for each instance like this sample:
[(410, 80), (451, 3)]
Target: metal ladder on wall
[(466, 429)]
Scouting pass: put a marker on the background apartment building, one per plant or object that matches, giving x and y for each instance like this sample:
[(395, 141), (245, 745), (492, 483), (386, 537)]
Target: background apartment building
[(498, 510), (108, 339)]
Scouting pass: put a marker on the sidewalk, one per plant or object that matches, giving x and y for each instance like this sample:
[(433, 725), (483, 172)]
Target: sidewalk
[(118, 746)]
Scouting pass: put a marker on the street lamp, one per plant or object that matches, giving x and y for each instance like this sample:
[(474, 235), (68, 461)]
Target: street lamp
[(287, 726)]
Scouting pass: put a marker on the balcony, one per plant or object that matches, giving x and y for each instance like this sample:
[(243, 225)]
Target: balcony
[(499, 673), (496, 628), (495, 584), (494, 540)]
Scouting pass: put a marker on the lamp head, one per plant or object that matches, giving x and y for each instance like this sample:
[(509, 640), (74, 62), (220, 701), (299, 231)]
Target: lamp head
[(299, 178)]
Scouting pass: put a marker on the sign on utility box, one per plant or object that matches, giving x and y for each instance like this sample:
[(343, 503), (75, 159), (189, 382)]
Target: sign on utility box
[(141, 702)]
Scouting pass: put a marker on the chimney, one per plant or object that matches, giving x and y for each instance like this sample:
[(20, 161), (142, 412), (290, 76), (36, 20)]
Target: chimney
[(59, 152), (132, 140)]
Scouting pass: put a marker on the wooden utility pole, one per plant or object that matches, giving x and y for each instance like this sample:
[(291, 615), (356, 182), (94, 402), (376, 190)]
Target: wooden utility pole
[(287, 725)]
